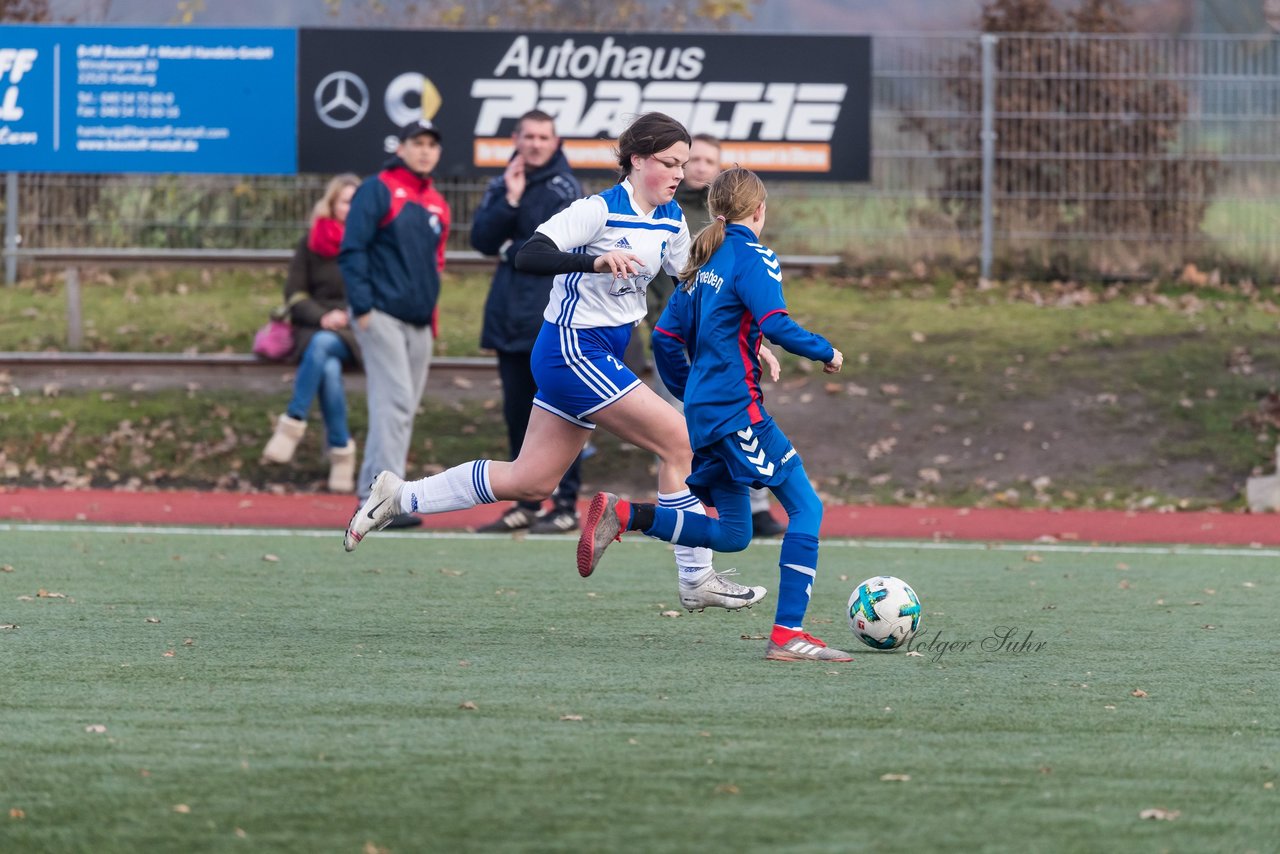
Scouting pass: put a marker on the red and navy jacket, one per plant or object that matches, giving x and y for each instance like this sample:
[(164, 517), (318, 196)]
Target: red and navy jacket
[(706, 344), (393, 246)]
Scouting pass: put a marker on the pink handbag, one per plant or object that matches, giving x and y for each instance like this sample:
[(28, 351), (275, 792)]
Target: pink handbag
[(274, 341)]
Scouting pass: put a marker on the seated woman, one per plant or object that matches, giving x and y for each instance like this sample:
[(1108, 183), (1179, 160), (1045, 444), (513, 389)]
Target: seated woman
[(323, 341)]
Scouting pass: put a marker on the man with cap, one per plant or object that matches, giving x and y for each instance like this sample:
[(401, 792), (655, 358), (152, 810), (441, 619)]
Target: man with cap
[(391, 258)]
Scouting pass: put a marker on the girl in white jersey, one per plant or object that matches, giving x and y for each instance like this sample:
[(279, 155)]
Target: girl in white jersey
[(603, 251)]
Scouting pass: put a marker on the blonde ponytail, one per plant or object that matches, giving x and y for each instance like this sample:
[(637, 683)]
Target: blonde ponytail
[(734, 196)]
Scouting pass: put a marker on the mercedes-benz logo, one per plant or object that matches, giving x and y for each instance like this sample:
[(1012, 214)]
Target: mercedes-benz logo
[(341, 99)]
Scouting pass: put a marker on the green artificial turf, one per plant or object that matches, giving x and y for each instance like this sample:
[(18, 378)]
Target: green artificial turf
[(270, 692)]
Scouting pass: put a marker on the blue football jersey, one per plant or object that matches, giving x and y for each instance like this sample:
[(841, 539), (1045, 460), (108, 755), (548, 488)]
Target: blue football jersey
[(718, 323)]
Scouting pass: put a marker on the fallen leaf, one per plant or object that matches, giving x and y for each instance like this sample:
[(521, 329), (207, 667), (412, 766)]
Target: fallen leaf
[(1159, 814), (469, 705), (727, 789), (1268, 785), (98, 728), (914, 654), (181, 808), (752, 637), (1124, 584), (452, 573), (188, 641), (16, 813), (168, 653), (670, 613), (6, 568), (45, 594), (153, 619), (1032, 557), (571, 717), (271, 558), (1137, 692), (895, 778)]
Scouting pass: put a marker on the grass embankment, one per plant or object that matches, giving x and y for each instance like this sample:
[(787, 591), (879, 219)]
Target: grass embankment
[(1112, 396)]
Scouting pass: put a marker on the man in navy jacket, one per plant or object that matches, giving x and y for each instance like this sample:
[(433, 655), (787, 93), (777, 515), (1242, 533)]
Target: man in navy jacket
[(391, 258), (536, 184)]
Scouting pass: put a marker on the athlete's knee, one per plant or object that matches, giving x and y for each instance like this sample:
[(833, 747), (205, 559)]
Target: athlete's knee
[(732, 538), (532, 485), (533, 491), (804, 512)]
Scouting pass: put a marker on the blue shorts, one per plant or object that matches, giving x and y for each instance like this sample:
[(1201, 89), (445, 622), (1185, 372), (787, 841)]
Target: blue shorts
[(579, 371), (758, 456)]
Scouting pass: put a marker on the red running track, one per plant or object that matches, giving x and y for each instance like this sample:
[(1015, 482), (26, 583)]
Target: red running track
[(225, 509)]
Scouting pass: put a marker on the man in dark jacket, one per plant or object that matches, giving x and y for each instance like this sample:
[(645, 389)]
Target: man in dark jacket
[(392, 256), (536, 184)]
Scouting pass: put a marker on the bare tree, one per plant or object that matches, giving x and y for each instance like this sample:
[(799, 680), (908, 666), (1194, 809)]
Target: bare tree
[(1094, 126), (24, 11), (544, 14)]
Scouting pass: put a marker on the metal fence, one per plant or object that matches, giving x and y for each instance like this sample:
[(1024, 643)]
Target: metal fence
[(1105, 155)]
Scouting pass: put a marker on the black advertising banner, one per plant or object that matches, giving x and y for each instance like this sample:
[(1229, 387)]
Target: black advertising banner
[(798, 106)]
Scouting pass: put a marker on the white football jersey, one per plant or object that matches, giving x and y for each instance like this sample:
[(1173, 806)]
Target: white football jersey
[(600, 223)]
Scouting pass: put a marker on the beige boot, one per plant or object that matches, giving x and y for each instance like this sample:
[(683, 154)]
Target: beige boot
[(342, 468), (284, 441)]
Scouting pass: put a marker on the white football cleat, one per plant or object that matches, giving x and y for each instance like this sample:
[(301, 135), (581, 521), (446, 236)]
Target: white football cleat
[(718, 591), (382, 505)]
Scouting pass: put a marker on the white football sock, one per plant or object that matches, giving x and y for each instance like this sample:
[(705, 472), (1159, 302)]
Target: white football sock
[(693, 564), (458, 488)]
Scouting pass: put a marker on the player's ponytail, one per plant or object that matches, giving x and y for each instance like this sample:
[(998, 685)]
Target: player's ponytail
[(734, 196)]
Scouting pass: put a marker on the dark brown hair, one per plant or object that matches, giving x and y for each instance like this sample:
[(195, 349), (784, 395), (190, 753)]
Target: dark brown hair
[(646, 136)]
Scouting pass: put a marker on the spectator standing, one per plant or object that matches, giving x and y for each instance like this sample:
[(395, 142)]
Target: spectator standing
[(323, 341), (392, 257), (537, 184)]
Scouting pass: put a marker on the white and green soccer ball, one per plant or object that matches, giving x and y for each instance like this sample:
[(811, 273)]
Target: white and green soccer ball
[(884, 612)]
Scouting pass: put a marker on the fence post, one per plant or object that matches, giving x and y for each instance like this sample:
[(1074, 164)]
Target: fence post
[(10, 228), (75, 321), (988, 137)]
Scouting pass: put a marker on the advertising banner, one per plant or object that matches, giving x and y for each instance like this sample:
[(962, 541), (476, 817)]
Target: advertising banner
[(798, 106), (114, 99)]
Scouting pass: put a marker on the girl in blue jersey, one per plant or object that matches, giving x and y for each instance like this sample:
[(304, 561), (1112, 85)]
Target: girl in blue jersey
[(603, 251), (731, 296)]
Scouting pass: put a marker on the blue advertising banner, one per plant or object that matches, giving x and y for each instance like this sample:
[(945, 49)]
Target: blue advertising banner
[(110, 99)]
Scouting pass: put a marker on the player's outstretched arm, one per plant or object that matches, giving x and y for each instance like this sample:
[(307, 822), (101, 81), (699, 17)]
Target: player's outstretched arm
[(780, 329)]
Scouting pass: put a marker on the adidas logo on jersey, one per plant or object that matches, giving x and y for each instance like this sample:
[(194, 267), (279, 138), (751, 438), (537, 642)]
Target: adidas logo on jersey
[(622, 244)]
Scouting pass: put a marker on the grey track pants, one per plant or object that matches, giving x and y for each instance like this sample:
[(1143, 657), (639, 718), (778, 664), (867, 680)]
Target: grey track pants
[(397, 357)]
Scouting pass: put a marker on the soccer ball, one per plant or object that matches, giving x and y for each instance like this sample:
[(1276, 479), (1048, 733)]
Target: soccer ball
[(884, 612)]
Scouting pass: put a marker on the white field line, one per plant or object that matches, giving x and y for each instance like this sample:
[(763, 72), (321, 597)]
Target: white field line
[(565, 542)]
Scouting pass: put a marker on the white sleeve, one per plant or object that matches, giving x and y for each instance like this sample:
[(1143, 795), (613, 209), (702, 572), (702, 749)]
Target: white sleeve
[(577, 225), (678, 251)]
